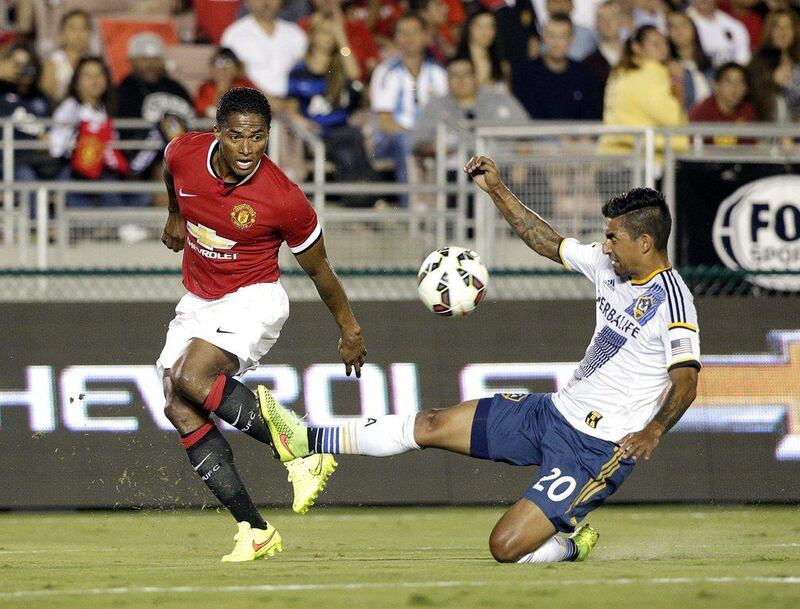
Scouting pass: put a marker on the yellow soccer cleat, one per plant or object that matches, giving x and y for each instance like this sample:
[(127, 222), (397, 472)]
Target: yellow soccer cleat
[(252, 544), (308, 476), (289, 434), (585, 538)]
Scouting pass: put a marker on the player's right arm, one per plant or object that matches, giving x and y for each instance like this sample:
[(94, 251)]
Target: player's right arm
[(530, 226), (174, 233)]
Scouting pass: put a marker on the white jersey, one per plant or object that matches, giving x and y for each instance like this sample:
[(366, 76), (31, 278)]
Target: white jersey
[(644, 329), (394, 89)]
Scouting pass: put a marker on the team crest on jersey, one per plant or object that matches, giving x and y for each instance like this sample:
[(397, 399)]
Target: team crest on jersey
[(243, 215), (644, 307)]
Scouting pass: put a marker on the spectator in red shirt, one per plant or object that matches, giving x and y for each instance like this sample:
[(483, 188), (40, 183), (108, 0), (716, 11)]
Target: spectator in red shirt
[(442, 34), (227, 72), (361, 41), (727, 104)]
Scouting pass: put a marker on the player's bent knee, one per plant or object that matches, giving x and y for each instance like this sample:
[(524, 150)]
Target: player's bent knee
[(186, 381), (504, 548)]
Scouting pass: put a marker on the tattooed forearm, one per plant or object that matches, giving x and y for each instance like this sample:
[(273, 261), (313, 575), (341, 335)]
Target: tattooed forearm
[(678, 399), (530, 227)]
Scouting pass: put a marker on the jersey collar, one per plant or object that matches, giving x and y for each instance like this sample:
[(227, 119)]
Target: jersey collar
[(649, 277), (214, 143)]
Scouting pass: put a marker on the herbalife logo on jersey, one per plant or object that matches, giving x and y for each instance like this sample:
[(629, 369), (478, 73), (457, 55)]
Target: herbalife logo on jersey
[(206, 242)]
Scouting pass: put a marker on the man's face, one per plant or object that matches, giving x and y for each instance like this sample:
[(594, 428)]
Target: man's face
[(705, 7), (731, 88), (557, 39), (148, 68), (461, 80), (410, 37), (264, 9), (623, 251), (608, 21), (242, 142)]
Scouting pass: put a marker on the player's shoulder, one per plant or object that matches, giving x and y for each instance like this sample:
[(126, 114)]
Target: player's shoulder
[(184, 145), (679, 301), (270, 175)]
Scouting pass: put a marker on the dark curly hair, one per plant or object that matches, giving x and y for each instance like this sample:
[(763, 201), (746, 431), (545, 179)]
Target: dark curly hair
[(243, 100), (643, 211)]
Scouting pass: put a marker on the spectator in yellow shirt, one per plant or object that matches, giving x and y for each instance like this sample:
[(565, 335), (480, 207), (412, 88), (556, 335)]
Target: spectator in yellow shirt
[(642, 91)]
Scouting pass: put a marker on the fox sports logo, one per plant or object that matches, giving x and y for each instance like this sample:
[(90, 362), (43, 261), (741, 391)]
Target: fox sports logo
[(757, 228)]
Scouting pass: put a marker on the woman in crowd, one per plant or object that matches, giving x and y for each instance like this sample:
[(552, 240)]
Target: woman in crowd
[(227, 72), (75, 36), (690, 63), (323, 94), (782, 31), (479, 43), (83, 131), (641, 92), (770, 73)]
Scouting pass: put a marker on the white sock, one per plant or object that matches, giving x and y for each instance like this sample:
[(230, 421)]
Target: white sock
[(555, 549), (377, 437)]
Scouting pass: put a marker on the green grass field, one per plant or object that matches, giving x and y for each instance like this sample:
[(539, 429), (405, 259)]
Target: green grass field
[(649, 557)]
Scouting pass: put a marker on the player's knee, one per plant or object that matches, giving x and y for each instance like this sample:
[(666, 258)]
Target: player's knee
[(504, 547), (186, 382)]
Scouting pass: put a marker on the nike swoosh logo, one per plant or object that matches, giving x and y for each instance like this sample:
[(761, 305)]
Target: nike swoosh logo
[(238, 414), (258, 546), (221, 331), (196, 467), (185, 194), (285, 445)]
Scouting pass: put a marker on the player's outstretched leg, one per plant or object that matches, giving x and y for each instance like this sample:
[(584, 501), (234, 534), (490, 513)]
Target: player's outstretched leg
[(308, 473)]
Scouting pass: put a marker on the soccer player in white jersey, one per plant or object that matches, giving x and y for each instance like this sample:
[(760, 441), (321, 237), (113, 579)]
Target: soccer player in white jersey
[(637, 378)]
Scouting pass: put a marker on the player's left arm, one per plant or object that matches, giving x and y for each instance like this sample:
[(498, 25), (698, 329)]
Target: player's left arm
[(314, 262), (679, 396)]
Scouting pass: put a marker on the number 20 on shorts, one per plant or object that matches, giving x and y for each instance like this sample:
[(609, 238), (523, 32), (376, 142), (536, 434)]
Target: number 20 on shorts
[(560, 486)]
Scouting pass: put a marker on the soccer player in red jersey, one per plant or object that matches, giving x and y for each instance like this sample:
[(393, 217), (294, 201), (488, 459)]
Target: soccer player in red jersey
[(230, 208)]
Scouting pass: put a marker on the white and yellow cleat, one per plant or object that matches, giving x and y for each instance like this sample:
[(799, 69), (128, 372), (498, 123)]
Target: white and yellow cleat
[(308, 476), (252, 544)]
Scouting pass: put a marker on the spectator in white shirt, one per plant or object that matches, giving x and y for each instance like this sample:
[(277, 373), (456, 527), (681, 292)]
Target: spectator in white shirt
[(268, 46), (723, 37), (400, 87)]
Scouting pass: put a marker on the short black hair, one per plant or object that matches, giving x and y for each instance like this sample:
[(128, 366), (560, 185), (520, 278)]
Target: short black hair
[(243, 100), (645, 211), (730, 65)]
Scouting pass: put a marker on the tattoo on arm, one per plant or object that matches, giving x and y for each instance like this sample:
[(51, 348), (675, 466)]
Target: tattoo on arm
[(531, 228), (678, 399)]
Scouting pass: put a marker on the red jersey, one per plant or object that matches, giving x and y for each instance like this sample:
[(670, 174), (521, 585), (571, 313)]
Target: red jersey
[(707, 111), (234, 231)]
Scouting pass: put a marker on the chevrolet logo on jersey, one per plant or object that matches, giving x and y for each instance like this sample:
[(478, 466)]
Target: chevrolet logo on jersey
[(593, 418), (208, 237)]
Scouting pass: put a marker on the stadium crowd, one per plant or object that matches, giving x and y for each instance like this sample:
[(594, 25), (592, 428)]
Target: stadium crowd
[(372, 77)]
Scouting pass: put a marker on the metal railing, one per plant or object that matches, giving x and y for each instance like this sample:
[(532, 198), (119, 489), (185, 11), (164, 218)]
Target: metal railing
[(558, 169)]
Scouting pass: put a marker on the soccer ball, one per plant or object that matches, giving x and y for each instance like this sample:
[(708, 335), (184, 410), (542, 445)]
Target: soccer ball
[(452, 281)]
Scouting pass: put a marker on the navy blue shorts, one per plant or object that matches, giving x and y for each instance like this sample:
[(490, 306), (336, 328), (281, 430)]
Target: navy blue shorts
[(577, 471)]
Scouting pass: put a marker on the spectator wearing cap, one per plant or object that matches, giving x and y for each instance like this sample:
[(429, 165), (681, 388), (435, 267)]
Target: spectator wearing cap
[(148, 93), (227, 72), (268, 46), (723, 38)]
